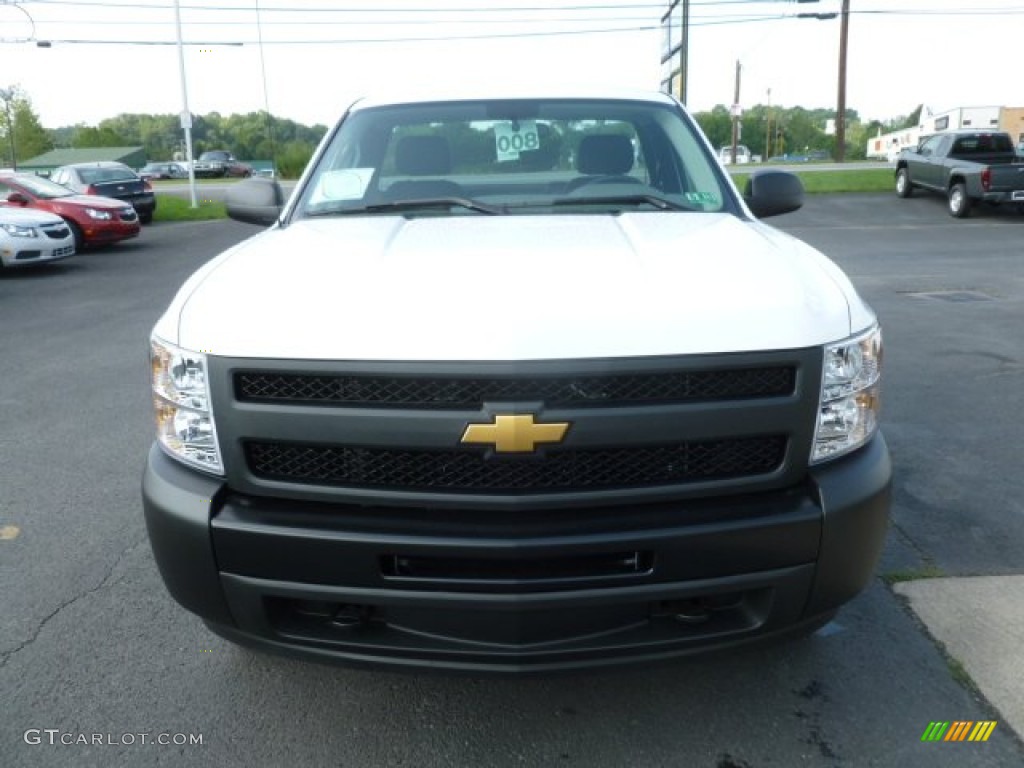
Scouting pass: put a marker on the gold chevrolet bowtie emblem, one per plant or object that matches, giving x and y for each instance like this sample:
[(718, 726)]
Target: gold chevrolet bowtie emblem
[(514, 434)]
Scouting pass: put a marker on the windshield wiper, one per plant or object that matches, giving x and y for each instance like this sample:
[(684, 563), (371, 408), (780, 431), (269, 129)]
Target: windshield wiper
[(413, 205), (660, 203)]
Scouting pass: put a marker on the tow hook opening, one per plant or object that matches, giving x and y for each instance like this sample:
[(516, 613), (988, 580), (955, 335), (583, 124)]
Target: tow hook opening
[(703, 608), (341, 615)]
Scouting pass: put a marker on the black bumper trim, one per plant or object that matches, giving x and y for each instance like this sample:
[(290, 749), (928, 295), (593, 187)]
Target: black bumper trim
[(793, 556), (610, 626)]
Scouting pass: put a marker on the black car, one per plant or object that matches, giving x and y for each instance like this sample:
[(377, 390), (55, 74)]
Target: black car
[(163, 171), (109, 179)]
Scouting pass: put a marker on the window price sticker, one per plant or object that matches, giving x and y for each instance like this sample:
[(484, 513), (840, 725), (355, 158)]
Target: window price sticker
[(512, 138)]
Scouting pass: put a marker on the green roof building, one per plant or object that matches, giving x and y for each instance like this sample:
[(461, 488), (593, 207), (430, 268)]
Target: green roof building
[(133, 157)]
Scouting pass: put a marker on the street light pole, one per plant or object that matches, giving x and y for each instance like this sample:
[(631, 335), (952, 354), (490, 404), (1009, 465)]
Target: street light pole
[(186, 116)]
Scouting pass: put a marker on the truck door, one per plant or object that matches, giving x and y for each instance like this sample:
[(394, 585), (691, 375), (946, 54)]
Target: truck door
[(933, 155)]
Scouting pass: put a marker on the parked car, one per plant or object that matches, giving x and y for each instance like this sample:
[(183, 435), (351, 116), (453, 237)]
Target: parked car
[(166, 170), (92, 219), (218, 163), (32, 237), (967, 166), (109, 179)]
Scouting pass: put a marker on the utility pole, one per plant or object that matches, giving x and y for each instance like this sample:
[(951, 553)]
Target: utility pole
[(768, 128), (736, 112), (684, 52), (844, 30)]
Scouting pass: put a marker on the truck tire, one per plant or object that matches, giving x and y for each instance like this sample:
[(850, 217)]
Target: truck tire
[(903, 186), (959, 202)]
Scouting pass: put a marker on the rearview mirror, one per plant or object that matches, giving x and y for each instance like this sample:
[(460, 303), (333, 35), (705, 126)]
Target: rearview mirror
[(18, 198), (255, 201), (771, 193)]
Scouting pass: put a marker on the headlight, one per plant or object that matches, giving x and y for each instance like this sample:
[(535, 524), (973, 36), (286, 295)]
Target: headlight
[(15, 230), (92, 213), (181, 399), (849, 403)]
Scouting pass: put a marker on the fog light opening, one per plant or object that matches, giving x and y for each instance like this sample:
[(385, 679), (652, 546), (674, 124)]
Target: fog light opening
[(353, 615)]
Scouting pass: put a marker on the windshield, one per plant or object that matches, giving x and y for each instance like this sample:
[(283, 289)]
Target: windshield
[(43, 188), (544, 156)]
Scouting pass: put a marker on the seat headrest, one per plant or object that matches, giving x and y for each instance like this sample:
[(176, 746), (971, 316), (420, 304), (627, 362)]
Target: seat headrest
[(423, 156), (609, 154)]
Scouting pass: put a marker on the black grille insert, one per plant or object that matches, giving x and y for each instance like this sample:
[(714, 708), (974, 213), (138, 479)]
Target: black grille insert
[(468, 392), (535, 569), (557, 470)]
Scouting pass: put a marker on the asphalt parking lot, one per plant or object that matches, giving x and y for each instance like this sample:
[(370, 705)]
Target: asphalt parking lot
[(91, 644)]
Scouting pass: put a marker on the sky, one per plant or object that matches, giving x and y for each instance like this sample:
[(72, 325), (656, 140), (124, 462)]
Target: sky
[(107, 58)]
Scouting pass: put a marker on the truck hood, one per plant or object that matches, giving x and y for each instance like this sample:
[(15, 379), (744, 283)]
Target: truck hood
[(513, 288)]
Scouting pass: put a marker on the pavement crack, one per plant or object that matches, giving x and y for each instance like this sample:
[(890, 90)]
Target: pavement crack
[(104, 582)]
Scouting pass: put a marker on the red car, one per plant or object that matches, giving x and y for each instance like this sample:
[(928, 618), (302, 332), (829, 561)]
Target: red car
[(92, 219)]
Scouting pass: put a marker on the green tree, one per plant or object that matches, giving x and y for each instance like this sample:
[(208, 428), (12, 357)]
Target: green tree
[(717, 125), (914, 118), (87, 136), (293, 158), (30, 138)]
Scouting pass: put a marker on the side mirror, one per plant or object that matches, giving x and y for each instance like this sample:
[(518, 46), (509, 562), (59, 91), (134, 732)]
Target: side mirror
[(17, 198), (771, 193), (255, 201)]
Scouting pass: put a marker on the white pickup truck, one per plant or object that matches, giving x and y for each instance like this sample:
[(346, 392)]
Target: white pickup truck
[(511, 384)]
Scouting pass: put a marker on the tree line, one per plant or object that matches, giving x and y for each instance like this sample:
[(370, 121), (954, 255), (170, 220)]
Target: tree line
[(770, 131), (252, 136), (766, 130)]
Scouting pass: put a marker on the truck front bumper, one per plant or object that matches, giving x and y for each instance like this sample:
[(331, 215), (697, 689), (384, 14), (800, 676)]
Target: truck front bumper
[(528, 591)]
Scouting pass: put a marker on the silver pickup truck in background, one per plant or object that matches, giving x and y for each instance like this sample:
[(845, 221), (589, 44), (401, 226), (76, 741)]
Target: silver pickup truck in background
[(967, 166)]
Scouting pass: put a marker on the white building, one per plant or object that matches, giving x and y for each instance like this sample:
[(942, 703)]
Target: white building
[(885, 146)]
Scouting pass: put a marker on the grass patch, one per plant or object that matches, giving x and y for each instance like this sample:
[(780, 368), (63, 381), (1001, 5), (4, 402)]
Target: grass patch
[(926, 571), (959, 673), (820, 182), (173, 208)]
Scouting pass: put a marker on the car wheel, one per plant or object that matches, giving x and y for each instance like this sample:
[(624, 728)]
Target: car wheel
[(903, 186), (146, 218), (959, 202), (76, 232)]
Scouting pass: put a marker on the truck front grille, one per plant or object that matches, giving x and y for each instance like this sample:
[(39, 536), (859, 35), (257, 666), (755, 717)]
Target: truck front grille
[(464, 470), (469, 392)]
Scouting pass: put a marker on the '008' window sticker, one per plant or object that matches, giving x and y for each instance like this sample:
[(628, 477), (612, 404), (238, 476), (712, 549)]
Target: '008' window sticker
[(514, 137)]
